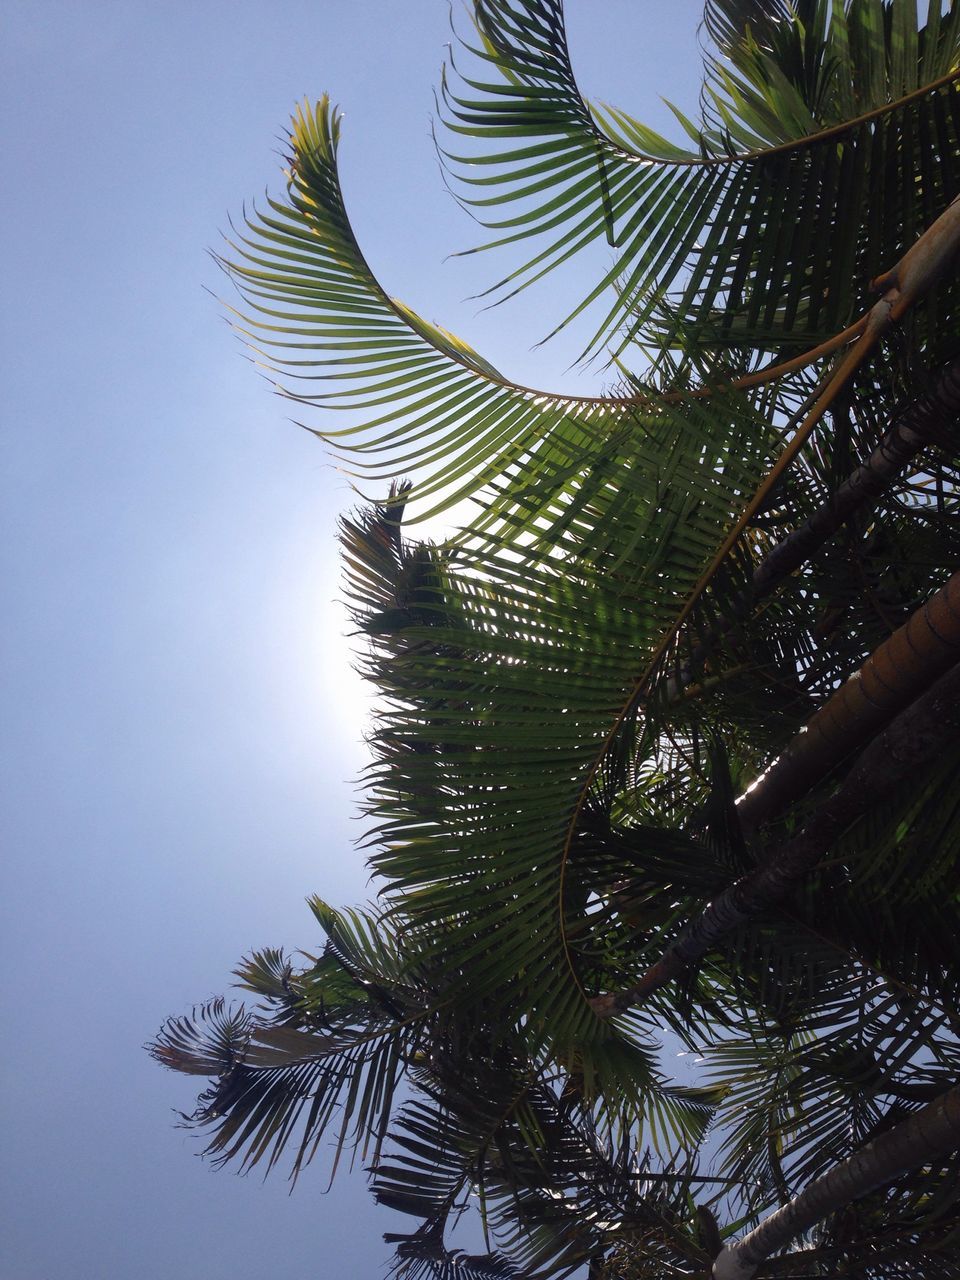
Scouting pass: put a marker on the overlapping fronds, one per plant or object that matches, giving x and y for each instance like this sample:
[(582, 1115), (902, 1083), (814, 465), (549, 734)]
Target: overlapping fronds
[(426, 404), (551, 1194), (836, 1067), (499, 824), (813, 171), (324, 1058), (576, 688), (498, 695)]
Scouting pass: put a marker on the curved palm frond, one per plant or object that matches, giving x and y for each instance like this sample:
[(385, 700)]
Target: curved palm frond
[(471, 809), (543, 466), (809, 115), (551, 1204), (507, 861), (426, 400)]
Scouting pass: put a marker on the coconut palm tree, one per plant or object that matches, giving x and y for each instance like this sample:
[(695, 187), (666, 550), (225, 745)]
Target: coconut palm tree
[(667, 736)]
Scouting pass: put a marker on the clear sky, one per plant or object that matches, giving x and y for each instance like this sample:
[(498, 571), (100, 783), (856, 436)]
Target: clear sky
[(181, 727)]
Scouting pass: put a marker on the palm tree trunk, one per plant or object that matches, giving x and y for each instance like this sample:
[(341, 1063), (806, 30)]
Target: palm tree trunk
[(895, 673), (926, 728), (927, 1136)]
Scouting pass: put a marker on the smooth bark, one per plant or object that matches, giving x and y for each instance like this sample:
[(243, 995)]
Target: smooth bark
[(923, 1138), (891, 678), (926, 421)]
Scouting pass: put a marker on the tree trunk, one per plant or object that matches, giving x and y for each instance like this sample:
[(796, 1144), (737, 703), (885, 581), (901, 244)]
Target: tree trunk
[(926, 421), (894, 674), (927, 1136)]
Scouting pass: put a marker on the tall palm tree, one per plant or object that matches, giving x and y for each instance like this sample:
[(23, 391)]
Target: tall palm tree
[(663, 593)]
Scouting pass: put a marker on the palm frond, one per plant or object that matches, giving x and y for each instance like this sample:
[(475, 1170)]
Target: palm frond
[(425, 400), (793, 147), (551, 1204), (331, 1060), (546, 467)]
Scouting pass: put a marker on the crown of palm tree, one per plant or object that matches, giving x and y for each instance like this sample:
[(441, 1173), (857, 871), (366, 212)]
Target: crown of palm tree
[(732, 571)]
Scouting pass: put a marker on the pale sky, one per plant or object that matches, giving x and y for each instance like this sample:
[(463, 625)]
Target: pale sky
[(181, 728)]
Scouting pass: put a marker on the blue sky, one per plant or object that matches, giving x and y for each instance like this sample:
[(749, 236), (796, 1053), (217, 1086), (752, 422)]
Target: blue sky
[(181, 724)]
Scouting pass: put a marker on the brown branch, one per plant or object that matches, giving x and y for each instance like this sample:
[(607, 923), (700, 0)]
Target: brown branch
[(916, 272), (928, 726), (771, 372), (879, 319), (913, 275), (924, 422)]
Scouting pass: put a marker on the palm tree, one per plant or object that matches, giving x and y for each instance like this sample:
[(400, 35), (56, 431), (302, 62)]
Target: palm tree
[(660, 603)]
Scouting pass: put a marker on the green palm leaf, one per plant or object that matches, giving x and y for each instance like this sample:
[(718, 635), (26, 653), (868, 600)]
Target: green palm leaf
[(421, 400), (425, 400), (477, 814), (765, 231), (328, 1054), (553, 1204)]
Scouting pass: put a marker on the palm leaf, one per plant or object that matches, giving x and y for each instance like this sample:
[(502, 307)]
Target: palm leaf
[(329, 1053), (575, 688), (792, 148), (316, 313), (551, 1205)]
